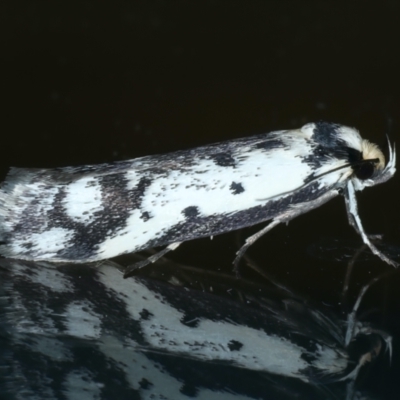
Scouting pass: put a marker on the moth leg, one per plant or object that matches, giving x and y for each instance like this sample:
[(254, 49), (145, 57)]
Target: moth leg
[(353, 223), (350, 217), (130, 268), (351, 205), (249, 241)]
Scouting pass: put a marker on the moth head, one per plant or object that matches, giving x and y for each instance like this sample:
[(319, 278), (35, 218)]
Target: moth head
[(371, 170), (360, 160), (373, 161)]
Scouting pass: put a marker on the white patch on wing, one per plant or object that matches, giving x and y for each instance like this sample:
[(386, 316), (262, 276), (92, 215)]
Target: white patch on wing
[(82, 321), (45, 244), (133, 178), (205, 185), (83, 199)]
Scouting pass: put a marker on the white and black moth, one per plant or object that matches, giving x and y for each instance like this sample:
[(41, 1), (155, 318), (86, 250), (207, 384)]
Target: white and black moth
[(91, 213)]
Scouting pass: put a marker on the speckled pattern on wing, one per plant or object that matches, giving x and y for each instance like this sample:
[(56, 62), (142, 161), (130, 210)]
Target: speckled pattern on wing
[(92, 213)]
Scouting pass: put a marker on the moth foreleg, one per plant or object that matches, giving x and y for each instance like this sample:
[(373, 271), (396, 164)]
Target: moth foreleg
[(354, 219), (350, 216), (353, 223), (250, 240), (130, 268)]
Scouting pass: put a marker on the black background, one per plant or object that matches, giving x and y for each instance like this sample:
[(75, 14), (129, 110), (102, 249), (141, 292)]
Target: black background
[(91, 81)]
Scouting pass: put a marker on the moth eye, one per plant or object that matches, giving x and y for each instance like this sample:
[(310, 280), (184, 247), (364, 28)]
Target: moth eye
[(364, 171)]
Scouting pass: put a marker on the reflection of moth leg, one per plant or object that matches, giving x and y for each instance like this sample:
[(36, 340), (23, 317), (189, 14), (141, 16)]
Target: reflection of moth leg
[(351, 263), (354, 328)]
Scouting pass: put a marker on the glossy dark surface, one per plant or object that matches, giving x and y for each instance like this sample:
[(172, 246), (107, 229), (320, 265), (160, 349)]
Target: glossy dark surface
[(88, 82)]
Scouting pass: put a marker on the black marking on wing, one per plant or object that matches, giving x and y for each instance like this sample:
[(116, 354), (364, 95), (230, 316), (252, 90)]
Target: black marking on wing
[(326, 134), (236, 188), (191, 212), (145, 384), (145, 314), (271, 144), (234, 345), (329, 146), (145, 216), (31, 221), (224, 159), (117, 202), (321, 155)]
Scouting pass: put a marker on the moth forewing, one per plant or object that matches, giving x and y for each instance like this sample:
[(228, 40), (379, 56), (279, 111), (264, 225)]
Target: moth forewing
[(95, 212)]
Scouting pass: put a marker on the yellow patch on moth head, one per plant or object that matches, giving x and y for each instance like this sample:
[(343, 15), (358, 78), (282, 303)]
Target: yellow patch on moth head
[(371, 151)]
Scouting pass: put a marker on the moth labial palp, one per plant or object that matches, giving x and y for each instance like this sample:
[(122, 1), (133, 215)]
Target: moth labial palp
[(95, 212)]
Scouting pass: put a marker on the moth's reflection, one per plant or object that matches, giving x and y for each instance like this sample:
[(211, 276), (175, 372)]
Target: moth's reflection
[(79, 331)]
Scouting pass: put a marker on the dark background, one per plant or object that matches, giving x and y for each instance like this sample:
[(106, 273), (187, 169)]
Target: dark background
[(91, 81)]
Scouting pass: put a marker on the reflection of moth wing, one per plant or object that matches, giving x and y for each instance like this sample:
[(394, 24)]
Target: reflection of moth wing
[(92, 213), (79, 330)]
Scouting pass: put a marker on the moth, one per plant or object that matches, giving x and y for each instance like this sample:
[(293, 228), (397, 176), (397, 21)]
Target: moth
[(95, 212)]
